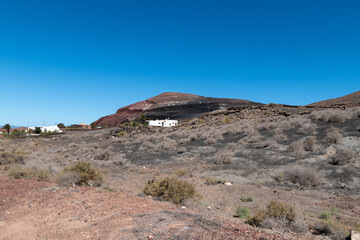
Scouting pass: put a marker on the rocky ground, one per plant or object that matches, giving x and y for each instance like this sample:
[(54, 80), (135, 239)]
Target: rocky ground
[(306, 157)]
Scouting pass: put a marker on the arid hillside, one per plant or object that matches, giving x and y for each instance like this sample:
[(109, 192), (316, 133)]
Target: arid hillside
[(170, 105), (250, 172), (350, 100)]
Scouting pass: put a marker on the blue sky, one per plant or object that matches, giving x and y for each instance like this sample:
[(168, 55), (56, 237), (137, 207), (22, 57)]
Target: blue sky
[(73, 61)]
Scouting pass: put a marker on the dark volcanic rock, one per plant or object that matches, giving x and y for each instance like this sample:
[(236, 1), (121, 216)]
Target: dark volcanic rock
[(350, 100), (171, 105)]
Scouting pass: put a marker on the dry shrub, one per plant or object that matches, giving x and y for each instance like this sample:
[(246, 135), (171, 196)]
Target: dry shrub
[(210, 140), (334, 136), (343, 156), (307, 129), (171, 189), (231, 146), (309, 144), (180, 172), (333, 115), (17, 172), (251, 136), (213, 181), (66, 179), (331, 228), (303, 175), (181, 150), (280, 210), (11, 158), (225, 157), (146, 146), (104, 156), (165, 144), (297, 148), (43, 175), (275, 223), (80, 173)]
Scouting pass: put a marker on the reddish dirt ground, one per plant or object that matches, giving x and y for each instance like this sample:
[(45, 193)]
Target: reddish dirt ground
[(40, 210)]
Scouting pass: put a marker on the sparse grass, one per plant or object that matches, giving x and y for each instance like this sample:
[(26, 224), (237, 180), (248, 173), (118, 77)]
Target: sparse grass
[(302, 175), (180, 172), (327, 214), (80, 173), (171, 189), (243, 212), (246, 199), (343, 156)]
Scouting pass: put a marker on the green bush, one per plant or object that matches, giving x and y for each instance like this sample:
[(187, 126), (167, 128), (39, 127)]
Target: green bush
[(242, 212), (171, 189), (213, 181), (82, 173), (276, 210), (280, 210)]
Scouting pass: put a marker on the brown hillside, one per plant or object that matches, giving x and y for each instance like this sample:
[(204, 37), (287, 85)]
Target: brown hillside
[(349, 100), (170, 105)]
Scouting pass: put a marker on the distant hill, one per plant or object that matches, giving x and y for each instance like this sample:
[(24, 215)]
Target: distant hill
[(350, 100), (170, 105)]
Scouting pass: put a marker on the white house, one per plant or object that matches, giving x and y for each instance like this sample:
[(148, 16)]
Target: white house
[(48, 129), (163, 123)]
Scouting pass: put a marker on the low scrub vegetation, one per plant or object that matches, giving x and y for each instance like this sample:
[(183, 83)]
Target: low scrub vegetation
[(242, 212), (80, 173), (276, 210), (171, 189), (334, 136), (11, 158), (343, 156), (302, 175)]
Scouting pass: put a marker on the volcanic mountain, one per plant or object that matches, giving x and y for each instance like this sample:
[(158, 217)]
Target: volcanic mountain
[(350, 100), (170, 105)]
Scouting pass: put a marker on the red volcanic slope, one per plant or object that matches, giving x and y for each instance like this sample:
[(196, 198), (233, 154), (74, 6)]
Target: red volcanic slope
[(349, 100), (176, 103)]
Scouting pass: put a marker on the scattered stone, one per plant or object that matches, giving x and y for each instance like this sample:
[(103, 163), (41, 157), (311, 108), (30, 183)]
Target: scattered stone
[(355, 235), (227, 183), (183, 207), (209, 208)]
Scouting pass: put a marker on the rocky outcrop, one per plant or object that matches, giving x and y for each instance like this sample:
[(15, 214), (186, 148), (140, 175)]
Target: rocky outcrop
[(350, 100), (171, 105)]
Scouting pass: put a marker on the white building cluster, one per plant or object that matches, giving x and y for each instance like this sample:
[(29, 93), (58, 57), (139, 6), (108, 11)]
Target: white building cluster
[(47, 129), (163, 123)]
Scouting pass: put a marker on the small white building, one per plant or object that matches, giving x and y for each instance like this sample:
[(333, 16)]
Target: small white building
[(48, 129), (163, 123)]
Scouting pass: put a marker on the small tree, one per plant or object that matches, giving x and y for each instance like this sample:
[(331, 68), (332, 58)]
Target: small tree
[(37, 130), (61, 125), (7, 128)]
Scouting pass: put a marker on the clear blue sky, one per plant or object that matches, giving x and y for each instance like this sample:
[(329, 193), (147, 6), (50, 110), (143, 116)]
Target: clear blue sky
[(77, 60)]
